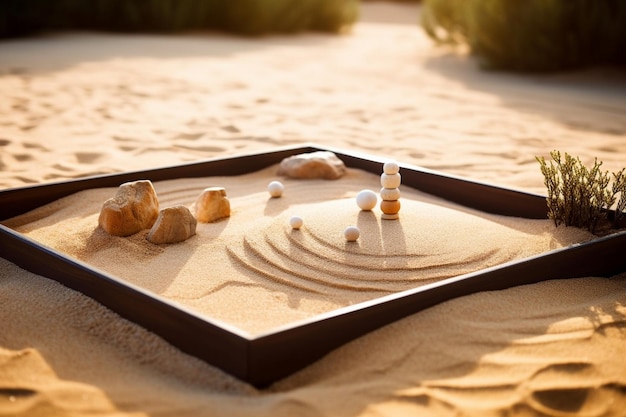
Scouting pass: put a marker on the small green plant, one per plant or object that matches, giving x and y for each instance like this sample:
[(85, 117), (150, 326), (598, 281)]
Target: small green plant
[(532, 35), (580, 196), (247, 17)]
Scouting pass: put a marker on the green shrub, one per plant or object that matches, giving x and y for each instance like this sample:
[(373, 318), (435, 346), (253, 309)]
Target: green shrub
[(22, 17), (252, 17), (262, 16), (532, 35), (138, 15), (580, 196)]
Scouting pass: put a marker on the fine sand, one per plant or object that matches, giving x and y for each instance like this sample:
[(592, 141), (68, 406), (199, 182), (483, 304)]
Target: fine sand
[(76, 104), (254, 272)]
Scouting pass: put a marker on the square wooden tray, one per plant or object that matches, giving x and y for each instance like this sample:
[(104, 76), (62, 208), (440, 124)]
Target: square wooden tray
[(268, 357)]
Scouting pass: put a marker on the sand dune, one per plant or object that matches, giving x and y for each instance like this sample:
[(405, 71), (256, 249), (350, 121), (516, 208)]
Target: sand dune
[(77, 104)]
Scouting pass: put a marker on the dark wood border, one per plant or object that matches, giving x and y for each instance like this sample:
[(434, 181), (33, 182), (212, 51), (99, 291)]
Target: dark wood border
[(264, 359)]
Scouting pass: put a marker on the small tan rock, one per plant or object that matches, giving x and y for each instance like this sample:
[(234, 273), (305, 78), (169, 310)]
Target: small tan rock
[(390, 207), (135, 207), (211, 205), (320, 164), (174, 224)]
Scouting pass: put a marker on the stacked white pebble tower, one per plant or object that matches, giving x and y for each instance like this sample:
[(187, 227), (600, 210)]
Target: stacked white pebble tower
[(390, 193)]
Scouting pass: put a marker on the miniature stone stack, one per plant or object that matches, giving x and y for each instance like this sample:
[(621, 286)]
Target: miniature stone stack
[(390, 193)]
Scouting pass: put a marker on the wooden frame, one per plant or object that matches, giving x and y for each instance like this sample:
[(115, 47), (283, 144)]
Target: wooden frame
[(268, 357)]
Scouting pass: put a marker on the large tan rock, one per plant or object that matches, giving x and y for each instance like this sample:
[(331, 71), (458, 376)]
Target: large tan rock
[(212, 205), (135, 207), (174, 224), (320, 164)]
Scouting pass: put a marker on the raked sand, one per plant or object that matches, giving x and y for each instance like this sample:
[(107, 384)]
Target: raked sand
[(77, 104), (255, 272)]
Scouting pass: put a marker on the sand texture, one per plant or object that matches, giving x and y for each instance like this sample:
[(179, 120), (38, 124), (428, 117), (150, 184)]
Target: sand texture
[(254, 272), (76, 104)]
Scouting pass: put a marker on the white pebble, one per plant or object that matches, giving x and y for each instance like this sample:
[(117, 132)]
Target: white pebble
[(296, 222), (366, 199), (390, 194), (390, 180), (276, 188), (391, 168), (352, 233)]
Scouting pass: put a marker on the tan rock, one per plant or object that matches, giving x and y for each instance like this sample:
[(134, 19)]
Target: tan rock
[(320, 164), (135, 207), (211, 205), (174, 224), (390, 207)]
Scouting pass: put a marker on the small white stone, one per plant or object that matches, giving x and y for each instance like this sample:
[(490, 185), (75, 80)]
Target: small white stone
[(390, 194), (352, 233), (391, 168), (390, 180), (366, 200), (275, 188), (296, 222)]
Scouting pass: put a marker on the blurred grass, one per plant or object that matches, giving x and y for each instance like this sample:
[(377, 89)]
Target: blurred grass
[(250, 17), (532, 35)]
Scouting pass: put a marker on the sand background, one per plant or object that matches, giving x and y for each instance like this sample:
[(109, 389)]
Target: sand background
[(75, 104)]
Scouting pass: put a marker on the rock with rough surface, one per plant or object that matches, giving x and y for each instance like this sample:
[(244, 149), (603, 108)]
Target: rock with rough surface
[(174, 224), (211, 205), (314, 165), (135, 207)]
